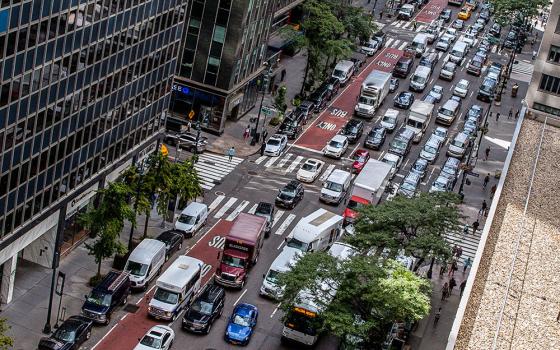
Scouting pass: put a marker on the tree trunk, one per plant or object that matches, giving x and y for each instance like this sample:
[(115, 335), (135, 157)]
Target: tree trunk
[(99, 268), (431, 270), (420, 261), (146, 223)]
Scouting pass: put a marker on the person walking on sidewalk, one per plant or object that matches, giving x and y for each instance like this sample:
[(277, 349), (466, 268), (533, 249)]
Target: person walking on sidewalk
[(437, 316), (486, 180), (452, 268), (247, 132), (466, 229), (264, 135), (510, 114), (445, 291), (497, 116), (283, 74), (483, 208), (462, 287), (487, 153), (452, 284), (231, 153), (263, 146), (459, 252), (475, 226), (467, 264), (492, 191), (442, 269), (517, 114)]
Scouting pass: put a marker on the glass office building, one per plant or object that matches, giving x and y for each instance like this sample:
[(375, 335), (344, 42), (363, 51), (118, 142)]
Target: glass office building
[(85, 85)]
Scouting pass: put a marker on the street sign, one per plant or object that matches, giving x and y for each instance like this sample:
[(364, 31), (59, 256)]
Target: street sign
[(472, 173), (191, 114), (164, 151), (266, 111)]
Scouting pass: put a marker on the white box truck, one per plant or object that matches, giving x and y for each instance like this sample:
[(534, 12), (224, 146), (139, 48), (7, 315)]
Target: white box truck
[(419, 118), (368, 188), (374, 90)]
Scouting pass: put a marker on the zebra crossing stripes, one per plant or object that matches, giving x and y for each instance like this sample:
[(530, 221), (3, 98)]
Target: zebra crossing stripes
[(212, 168), (253, 209), (285, 224), (403, 45), (294, 164), (216, 202), (237, 210), (277, 217), (225, 208), (271, 161), (522, 71), (327, 172), (284, 160), (261, 159), (467, 241)]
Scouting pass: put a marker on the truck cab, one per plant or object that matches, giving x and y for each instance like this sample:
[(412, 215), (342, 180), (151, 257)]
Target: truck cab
[(374, 90)]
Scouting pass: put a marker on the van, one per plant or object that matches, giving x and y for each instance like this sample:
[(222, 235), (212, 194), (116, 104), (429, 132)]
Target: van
[(343, 71), (458, 52), (458, 147), (145, 262), (282, 264), (315, 232), (420, 43), (176, 288), (192, 218), (419, 80), (429, 59), (448, 112), (106, 296), (336, 187), (402, 142)]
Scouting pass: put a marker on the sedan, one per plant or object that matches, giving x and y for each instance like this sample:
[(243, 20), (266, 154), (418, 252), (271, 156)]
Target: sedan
[(409, 185), (442, 184), (390, 119), (173, 240), (450, 168), (370, 47), (290, 195), (393, 84), (158, 337), (404, 99), (353, 130), (375, 138), (441, 133), (436, 92), (336, 147), (448, 71), (470, 128), (69, 335), (310, 170), (462, 88), (445, 15), (475, 66), (431, 149), (275, 145), (452, 33), (420, 167), (468, 39), (458, 24), (241, 324), (444, 43), (475, 112), (360, 158)]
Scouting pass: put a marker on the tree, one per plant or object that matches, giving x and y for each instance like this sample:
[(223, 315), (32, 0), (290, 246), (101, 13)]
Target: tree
[(508, 11), (371, 294), (6, 342), (280, 100), (107, 221)]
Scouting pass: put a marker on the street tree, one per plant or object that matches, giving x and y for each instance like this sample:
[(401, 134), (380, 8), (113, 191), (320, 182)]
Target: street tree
[(185, 184), (6, 342), (507, 12), (280, 100), (371, 294)]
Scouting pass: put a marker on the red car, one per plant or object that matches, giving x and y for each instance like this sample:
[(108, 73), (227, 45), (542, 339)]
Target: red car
[(360, 157)]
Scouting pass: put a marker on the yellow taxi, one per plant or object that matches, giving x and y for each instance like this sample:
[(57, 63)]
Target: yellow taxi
[(465, 14)]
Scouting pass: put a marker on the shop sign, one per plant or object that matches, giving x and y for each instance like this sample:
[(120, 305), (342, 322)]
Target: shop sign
[(81, 201)]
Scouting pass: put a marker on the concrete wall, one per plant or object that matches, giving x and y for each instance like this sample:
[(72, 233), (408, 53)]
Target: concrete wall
[(41, 250)]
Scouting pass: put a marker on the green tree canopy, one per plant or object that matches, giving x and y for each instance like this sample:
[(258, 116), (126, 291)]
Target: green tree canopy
[(6, 342), (508, 11)]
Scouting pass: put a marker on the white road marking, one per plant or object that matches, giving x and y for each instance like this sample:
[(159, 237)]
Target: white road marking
[(472, 92), (284, 160), (400, 175), (403, 45), (260, 159), (388, 43), (381, 155), (237, 210), (253, 208), (406, 163), (275, 310), (285, 224), (241, 296), (271, 161), (327, 172), (277, 217), (225, 208), (216, 202), (294, 164)]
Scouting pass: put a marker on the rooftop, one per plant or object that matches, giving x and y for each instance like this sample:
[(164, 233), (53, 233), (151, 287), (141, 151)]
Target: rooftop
[(513, 300)]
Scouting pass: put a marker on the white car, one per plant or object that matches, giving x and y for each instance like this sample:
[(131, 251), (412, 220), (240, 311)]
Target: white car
[(452, 33), (275, 145), (310, 170), (336, 147), (371, 47), (469, 39), (158, 337), (443, 43), (441, 133), (431, 149), (462, 88), (393, 160)]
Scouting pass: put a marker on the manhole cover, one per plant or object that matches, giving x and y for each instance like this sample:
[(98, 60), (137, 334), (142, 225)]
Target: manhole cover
[(219, 193), (252, 172), (131, 308)]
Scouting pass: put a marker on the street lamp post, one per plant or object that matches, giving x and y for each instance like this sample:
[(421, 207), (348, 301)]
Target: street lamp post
[(266, 81)]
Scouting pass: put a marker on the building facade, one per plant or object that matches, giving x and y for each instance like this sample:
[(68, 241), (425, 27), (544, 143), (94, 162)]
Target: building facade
[(84, 89), (224, 47), (543, 96)]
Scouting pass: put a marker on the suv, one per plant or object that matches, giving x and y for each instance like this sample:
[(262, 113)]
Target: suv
[(429, 59), (402, 142), (204, 310), (380, 37), (106, 296), (292, 124), (187, 140), (266, 210), (403, 67), (319, 98), (353, 130)]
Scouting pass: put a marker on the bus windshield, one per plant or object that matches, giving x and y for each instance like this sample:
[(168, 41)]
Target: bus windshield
[(303, 323)]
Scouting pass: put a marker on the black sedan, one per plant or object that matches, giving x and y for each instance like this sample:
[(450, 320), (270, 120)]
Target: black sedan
[(375, 138), (289, 196), (353, 130), (204, 310), (173, 240), (69, 336), (404, 99)]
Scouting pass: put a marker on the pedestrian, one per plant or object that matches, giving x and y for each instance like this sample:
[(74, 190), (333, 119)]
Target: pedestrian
[(445, 291), (533, 42), (264, 134), (414, 25), (492, 191), (517, 114), (452, 268), (381, 15), (459, 252), (475, 226), (510, 113), (462, 287), (467, 264), (189, 126), (283, 74), (483, 207), (231, 153), (442, 270), (247, 132), (497, 116), (486, 180), (534, 55), (263, 146), (487, 153), (452, 284), (466, 229), (437, 316)]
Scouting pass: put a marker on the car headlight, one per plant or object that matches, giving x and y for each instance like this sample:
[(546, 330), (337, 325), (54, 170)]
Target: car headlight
[(168, 314)]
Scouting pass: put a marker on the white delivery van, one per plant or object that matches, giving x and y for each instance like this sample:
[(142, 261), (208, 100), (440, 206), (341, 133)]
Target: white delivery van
[(419, 80), (420, 43), (192, 218), (282, 264), (419, 118), (176, 288), (336, 186), (458, 52), (343, 71), (145, 262), (316, 232)]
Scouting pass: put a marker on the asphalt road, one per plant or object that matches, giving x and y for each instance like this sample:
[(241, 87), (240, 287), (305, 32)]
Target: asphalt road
[(259, 178)]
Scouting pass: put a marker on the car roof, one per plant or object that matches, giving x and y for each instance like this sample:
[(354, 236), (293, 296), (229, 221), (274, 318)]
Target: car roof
[(276, 136), (441, 128), (292, 184), (211, 292), (421, 160), (168, 235), (354, 122), (339, 138), (264, 205), (313, 161), (391, 156), (243, 309), (361, 152), (464, 81)]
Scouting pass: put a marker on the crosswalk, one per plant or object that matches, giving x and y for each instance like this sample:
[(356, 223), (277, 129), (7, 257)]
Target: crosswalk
[(288, 163), (396, 43), (522, 71), (408, 25), (212, 168), (468, 242)]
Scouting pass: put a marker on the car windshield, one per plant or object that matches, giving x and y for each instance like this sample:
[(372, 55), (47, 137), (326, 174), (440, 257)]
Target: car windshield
[(402, 65), (309, 167), (151, 342), (202, 307), (359, 158), (287, 193), (99, 298), (449, 67), (408, 186), (399, 144), (437, 89), (294, 243), (418, 79), (439, 133), (353, 205), (166, 296), (439, 184), (449, 170), (462, 85), (419, 166), (272, 276), (241, 320), (333, 186), (136, 268), (335, 144), (233, 261), (430, 149), (338, 73), (65, 335), (457, 143), (389, 119), (350, 129), (476, 63), (273, 142), (186, 219)]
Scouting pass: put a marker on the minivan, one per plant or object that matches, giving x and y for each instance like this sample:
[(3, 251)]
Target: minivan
[(343, 71), (145, 262), (192, 218), (403, 67), (419, 80), (336, 186), (458, 147), (420, 43), (458, 52), (282, 264), (402, 142), (102, 300), (448, 112)]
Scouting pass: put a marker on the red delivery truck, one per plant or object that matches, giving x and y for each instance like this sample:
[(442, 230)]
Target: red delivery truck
[(241, 250)]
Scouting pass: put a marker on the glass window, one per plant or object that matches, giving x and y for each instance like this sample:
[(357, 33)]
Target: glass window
[(219, 34), (554, 54), (550, 84)]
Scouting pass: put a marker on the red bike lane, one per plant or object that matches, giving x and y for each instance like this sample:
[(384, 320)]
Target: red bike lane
[(431, 11), (126, 332), (340, 111)]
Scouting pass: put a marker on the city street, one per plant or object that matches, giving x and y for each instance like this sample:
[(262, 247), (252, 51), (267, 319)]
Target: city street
[(239, 185)]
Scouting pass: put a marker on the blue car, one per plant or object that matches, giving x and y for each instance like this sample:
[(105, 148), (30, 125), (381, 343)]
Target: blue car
[(241, 324)]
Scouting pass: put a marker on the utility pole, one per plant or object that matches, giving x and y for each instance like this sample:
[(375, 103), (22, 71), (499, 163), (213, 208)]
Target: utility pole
[(266, 81)]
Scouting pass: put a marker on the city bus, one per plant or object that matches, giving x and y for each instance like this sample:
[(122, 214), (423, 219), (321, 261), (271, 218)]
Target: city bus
[(455, 2)]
